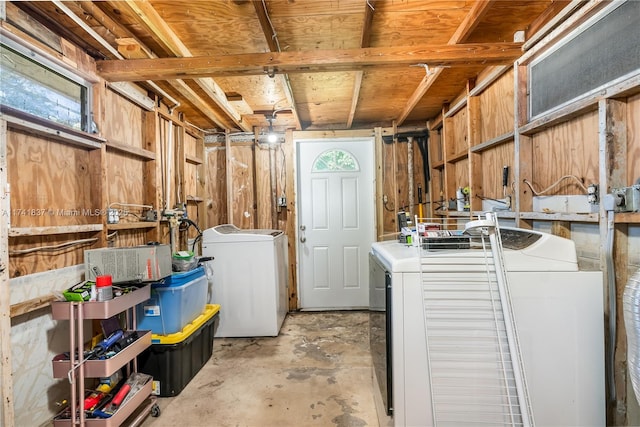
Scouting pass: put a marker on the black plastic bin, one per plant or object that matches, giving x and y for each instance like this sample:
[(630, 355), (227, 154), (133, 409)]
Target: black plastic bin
[(173, 360)]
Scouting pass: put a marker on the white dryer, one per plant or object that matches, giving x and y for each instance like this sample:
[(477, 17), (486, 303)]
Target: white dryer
[(250, 279), (559, 316)]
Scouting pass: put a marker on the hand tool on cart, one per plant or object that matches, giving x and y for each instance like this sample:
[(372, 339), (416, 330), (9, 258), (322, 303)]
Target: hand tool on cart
[(133, 384), (103, 346)]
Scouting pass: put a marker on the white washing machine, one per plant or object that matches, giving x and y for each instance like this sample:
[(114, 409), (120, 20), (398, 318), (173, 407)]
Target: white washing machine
[(250, 279)]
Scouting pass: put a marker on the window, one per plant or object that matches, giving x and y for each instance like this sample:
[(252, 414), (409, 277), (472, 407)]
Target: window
[(602, 50), (30, 85), (335, 161)]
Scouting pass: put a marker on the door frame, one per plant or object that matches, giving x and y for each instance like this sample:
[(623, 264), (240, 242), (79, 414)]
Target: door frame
[(300, 138)]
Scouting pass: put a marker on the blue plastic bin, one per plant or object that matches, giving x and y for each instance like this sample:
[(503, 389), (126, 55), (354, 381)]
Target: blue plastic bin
[(175, 302)]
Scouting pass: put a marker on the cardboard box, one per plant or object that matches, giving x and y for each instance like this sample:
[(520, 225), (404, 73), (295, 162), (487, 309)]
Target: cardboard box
[(137, 263)]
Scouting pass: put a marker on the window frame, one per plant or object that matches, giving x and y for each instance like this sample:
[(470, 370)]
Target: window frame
[(331, 150), (86, 113)]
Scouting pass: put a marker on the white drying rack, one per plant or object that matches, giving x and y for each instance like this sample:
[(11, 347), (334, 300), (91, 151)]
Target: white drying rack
[(475, 367)]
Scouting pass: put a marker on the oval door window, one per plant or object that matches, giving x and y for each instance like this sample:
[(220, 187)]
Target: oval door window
[(335, 160)]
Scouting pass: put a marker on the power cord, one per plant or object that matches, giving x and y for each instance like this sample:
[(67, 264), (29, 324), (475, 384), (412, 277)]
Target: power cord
[(555, 184)]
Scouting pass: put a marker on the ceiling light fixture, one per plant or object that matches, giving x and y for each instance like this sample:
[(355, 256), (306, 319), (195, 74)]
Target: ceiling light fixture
[(271, 135)]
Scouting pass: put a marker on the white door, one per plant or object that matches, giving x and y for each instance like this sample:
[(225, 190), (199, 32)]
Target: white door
[(335, 223)]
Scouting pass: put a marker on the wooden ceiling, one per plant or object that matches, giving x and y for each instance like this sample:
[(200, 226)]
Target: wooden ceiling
[(318, 64)]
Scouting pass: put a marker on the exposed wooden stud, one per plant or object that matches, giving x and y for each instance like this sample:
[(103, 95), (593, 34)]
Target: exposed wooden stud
[(476, 184), (229, 176), (291, 216), (153, 170), (561, 229), (612, 123), (523, 148), (6, 379), (379, 182)]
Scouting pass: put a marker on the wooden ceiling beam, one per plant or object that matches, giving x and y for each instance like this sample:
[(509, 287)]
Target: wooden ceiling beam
[(466, 27), (272, 42), (196, 100), (170, 41), (309, 61), (365, 41)]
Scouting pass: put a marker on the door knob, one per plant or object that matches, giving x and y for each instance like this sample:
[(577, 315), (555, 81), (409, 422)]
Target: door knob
[(303, 239), (303, 227)]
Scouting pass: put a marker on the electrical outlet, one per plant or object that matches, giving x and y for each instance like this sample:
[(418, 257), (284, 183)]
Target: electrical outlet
[(150, 215), (113, 216), (626, 199)]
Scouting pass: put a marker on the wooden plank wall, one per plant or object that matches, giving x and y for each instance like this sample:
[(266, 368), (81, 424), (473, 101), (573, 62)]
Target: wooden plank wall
[(570, 148), (216, 185), (50, 185), (242, 185), (459, 136), (121, 120), (495, 159), (496, 107)]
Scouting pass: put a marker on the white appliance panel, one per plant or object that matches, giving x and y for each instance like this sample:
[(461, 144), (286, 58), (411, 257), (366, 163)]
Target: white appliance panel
[(559, 316)]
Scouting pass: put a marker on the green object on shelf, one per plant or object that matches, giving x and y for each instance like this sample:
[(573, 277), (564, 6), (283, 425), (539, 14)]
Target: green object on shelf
[(79, 292)]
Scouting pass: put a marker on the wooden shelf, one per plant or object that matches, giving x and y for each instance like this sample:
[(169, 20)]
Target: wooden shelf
[(27, 123), (63, 229), (136, 151), (195, 199), (499, 140), (438, 165), (132, 225), (499, 214), (541, 216), (193, 160), (459, 214), (458, 156), (627, 218)]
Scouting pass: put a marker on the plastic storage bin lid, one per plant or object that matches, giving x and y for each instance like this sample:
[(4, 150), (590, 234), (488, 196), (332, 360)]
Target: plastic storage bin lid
[(210, 310), (180, 278)]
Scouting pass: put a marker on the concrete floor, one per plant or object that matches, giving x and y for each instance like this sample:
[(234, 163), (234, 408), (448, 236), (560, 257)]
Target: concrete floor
[(317, 372)]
